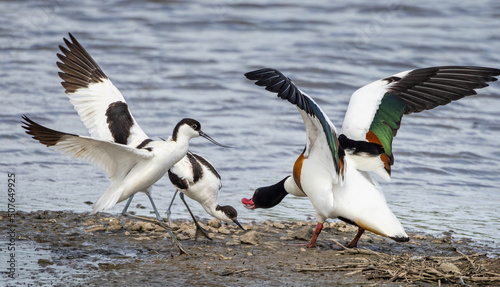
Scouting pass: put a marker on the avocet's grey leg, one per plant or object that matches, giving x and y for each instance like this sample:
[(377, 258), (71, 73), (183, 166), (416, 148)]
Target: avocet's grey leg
[(198, 226), (159, 220), (169, 207)]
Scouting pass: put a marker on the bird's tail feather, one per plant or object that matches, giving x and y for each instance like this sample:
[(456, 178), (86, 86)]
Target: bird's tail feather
[(107, 200)]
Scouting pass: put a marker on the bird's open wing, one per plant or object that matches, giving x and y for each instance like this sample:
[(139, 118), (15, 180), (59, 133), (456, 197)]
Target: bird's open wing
[(320, 130), (100, 105), (375, 110), (115, 159)]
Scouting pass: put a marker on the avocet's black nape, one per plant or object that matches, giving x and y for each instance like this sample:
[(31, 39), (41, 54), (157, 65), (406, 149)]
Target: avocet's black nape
[(194, 124), (268, 196)]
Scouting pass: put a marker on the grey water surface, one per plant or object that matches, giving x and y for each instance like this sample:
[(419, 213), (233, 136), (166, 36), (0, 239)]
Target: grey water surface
[(176, 59)]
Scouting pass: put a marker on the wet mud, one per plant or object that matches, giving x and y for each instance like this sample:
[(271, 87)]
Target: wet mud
[(75, 249)]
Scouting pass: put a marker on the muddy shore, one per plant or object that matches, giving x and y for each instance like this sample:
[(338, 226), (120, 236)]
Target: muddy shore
[(74, 249)]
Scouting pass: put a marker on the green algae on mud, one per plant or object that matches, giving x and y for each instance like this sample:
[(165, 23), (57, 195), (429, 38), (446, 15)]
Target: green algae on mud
[(67, 249)]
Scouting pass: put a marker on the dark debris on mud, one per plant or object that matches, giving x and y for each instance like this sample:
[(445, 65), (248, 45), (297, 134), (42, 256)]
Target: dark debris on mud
[(74, 249)]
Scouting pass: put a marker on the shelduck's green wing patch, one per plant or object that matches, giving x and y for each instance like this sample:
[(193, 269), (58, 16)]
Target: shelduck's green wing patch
[(375, 110)]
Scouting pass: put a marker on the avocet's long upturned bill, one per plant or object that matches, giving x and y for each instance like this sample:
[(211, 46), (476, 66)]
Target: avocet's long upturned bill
[(117, 144), (333, 172), (197, 178)]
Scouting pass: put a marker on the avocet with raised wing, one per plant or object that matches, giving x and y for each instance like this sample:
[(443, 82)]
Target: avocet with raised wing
[(334, 172), (117, 144)]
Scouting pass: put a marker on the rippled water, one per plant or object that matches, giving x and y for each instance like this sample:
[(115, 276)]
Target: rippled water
[(175, 59)]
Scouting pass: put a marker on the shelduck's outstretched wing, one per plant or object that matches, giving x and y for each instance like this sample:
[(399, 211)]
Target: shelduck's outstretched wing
[(100, 105), (375, 110), (115, 159), (320, 130)]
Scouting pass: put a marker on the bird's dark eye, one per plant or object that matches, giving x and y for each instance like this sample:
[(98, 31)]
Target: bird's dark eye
[(194, 126)]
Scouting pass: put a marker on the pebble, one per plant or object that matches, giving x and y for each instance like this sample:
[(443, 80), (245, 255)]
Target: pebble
[(96, 228), (419, 237), (140, 238), (233, 243), (251, 237), (447, 267), (182, 237), (215, 223), (279, 225), (224, 230), (222, 257), (45, 262), (141, 226), (348, 228), (304, 233)]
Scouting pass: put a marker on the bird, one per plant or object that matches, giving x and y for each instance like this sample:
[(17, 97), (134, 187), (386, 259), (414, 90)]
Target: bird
[(335, 172), (117, 144), (197, 178), (270, 196), (98, 127)]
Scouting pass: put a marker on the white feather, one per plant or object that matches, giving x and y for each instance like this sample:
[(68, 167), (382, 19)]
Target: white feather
[(92, 102)]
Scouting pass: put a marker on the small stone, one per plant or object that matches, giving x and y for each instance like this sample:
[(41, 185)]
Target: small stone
[(249, 254), (447, 267), (45, 262), (96, 228), (222, 257), (233, 243), (215, 223), (304, 233), (251, 237), (348, 228), (224, 230), (182, 237), (279, 225), (247, 227), (302, 249), (419, 237), (140, 238), (189, 232)]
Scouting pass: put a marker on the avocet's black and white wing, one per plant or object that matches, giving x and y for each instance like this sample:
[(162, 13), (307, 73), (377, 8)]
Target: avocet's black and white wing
[(375, 110), (116, 159), (100, 105)]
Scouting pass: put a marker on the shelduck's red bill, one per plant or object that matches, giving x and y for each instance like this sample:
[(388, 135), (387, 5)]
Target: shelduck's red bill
[(248, 203)]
